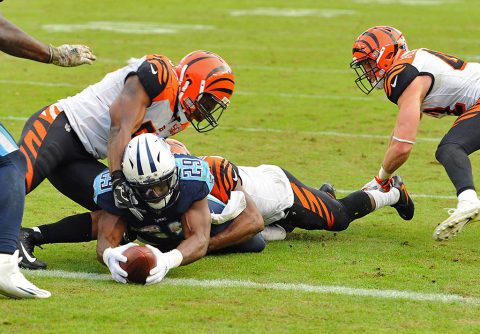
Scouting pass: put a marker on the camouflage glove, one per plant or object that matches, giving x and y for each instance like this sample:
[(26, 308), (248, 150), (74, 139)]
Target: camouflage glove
[(71, 55)]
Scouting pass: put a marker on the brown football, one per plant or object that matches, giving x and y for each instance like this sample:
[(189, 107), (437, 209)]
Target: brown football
[(140, 260)]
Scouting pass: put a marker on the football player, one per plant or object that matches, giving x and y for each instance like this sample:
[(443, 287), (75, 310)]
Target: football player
[(424, 81), (173, 211), (15, 42), (286, 203), (150, 95)]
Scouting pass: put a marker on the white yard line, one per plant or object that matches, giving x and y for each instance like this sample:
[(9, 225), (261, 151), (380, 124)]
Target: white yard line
[(320, 289)]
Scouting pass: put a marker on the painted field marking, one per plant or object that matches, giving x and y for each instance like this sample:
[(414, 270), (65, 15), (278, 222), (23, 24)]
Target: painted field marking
[(320, 289), (409, 2), (271, 130), (126, 27), (292, 12)]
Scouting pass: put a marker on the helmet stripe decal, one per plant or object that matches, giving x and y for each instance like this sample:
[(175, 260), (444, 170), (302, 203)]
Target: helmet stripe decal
[(224, 90), (372, 36), (198, 59), (394, 40), (139, 161), (150, 158), (220, 79), (218, 69)]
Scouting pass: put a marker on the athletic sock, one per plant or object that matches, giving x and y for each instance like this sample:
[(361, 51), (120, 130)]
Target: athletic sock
[(384, 198), (76, 228), (468, 195)]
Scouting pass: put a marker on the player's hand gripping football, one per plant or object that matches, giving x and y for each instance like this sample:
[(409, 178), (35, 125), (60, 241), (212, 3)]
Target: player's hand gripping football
[(71, 55), (124, 195), (112, 258), (161, 269)]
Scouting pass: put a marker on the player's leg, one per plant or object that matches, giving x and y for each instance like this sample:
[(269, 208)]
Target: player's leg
[(317, 210), (75, 180), (49, 144), (12, 173), (453, 151)]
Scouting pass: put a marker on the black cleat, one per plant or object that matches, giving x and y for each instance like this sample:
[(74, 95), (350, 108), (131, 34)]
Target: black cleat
[(26, 245), (329, 189), (404, 206)]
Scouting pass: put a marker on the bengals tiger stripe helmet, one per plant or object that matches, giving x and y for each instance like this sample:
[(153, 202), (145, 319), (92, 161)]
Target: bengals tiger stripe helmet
[(374, 52), (206, 86)]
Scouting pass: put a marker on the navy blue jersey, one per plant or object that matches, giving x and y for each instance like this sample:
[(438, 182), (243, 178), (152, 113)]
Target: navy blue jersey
[(195, 183)]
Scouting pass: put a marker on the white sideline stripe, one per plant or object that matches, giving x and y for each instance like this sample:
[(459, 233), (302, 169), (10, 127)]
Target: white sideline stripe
[(321, 289), (126, 27), (322, 133), (409, 2), (345, 191), (292, 12), (244, 93), (309, 133)]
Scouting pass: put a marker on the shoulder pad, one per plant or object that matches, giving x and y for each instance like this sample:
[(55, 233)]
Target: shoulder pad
[(155, 74), (225, 175), (397, 80)]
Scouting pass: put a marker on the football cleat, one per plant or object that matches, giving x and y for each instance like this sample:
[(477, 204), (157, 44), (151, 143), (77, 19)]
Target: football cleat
[(465, 213), (274, 232), (404, 206), (26, 245), (12, 282), (329, 189)]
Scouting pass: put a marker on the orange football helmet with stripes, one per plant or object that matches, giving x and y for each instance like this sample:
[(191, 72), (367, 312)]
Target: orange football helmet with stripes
[(206, 86), (374, 52)]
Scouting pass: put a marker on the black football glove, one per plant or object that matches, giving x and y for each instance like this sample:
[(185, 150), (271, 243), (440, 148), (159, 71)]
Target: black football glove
[(124, 195)]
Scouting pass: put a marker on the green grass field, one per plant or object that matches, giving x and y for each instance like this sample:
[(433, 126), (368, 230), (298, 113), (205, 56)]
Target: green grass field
[(295, 106)]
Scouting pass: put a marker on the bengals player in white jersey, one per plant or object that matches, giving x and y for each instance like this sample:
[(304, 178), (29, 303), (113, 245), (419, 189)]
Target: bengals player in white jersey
[(286, 203), (424, 81), (63, 141)]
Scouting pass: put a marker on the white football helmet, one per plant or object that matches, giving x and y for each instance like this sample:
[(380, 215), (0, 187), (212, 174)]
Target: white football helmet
[(150, 169)]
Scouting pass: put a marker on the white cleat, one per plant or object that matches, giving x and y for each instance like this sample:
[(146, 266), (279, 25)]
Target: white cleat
[(465, 213), (273, 233), (12, 282)]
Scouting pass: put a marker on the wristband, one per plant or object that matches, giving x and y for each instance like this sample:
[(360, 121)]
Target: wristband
[(383, 175), (173, 258)]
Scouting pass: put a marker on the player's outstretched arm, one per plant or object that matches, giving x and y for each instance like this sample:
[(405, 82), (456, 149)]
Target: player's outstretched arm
[(248, 223), (126, 113), (109, 231), (17, 43), (196, 223), (196, 230)]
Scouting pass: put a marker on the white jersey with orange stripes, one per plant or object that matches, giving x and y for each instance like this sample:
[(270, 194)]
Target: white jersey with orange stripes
[(269, 188), (455, 83), (88, 111)]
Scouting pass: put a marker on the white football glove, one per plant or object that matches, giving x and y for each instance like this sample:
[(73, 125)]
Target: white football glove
[(112, 258), (378, 184), (236, 204), (161, 269), (71, 55)]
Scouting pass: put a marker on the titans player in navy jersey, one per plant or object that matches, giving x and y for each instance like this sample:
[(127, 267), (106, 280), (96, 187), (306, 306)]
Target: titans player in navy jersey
[(170, 208)]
